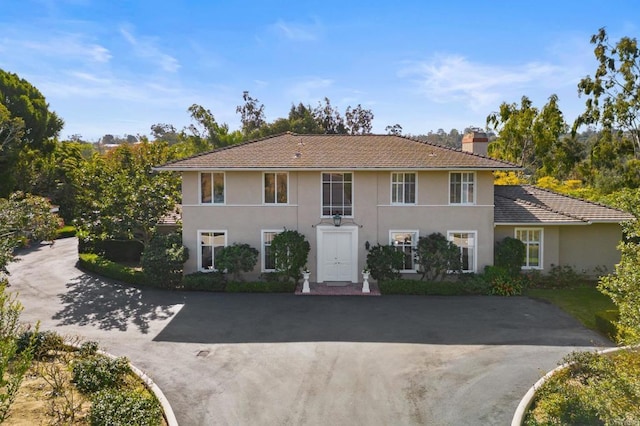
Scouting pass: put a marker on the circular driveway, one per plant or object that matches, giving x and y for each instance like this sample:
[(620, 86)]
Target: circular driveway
[(280, 359)]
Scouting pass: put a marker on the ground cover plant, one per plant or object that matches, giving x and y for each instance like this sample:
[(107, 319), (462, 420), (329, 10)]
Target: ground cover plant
[(595, 389)]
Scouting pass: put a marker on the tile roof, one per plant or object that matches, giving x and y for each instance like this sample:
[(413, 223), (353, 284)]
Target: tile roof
[(522, 204), (297, 152)]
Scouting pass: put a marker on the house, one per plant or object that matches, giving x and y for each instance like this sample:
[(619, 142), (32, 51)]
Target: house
[(347, 193)]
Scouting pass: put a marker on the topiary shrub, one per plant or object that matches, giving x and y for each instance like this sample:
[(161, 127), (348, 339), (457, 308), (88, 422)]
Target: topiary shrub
[(116, 408), (437, 256), (163, 260), (510, 254), (290, 250), (385, 262), (98, 372), (237, 258)]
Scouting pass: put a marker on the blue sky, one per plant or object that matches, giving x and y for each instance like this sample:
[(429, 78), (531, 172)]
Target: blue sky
[(119, 66)]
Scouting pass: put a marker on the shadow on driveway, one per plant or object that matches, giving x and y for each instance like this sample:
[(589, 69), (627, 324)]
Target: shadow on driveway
[(270, 318), (108, 305)]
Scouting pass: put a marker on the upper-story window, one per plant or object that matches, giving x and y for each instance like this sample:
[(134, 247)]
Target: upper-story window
[(462, 188), (212, 188), (337, 194), (276, 188), (403, 188)]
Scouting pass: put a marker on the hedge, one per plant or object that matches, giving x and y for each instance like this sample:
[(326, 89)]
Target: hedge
[(66, 232), (93, 263)]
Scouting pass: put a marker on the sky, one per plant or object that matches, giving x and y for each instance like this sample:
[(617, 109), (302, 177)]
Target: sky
[(120, 66)]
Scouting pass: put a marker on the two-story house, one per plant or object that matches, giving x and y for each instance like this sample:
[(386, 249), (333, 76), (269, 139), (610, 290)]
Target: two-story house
[(348, 193)]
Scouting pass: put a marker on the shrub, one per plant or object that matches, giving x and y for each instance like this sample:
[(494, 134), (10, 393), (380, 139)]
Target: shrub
[(94, 263), (66, 232), (88, 348), (163, 260), (116, 408), (237, 258), (290, 250), (510, 254), (261, 287), (98, 372), (114, 250), (501, 282), (41, 342), (385, 262), (437, 256), (209, 281)]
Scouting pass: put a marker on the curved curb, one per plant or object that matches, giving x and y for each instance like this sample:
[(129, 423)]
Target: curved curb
[(167, 411), (527, 400)]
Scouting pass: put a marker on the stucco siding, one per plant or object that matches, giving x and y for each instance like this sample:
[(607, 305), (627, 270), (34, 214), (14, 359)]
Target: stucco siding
[(589, 247)]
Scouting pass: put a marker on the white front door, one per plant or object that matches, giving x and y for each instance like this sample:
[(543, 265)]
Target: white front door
[(337, 260)]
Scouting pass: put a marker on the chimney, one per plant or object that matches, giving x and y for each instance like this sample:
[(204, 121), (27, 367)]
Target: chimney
[(475, 142)]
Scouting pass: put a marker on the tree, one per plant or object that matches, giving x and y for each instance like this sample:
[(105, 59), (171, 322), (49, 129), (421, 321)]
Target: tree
[(613, 99), (396, 129), (329, 118), (290, 250), (358, 120), (162, 261), (121, 196), (251, 115), (527, 136), (25, 123), (237, 258), (204, 134)]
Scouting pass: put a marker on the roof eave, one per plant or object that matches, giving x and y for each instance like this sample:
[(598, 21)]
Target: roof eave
[(302, 169)]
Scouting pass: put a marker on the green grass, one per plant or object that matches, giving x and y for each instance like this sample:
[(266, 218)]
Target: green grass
[(580, 302)]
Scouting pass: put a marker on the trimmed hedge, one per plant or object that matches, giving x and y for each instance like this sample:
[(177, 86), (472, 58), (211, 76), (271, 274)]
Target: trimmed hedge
[(93, 263), (205, 281), (261, 287), (432, 288), (66, 232)]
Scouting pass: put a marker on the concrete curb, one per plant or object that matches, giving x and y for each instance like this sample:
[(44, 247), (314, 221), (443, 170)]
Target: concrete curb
[(527, 400), (169, 416)]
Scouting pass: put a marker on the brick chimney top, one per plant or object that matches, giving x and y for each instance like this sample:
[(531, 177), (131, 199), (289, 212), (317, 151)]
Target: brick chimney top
[(475, 142)]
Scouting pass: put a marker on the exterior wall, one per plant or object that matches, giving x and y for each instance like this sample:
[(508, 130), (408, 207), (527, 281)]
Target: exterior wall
[(575, 245), (244, 215)]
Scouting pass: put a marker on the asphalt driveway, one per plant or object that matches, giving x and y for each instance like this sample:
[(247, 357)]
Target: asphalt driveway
[(280, 359)]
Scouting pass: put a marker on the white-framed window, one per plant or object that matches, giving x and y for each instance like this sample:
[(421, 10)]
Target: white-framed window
[(276, 187), (462, 188), (406, 243), (403, 188), (268, 260), (533, 243), (210, 243), (212, 187), (337, 194), (467, 243)]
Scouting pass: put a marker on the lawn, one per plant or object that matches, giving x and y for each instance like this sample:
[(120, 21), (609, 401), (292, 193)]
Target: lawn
[(580, 302)]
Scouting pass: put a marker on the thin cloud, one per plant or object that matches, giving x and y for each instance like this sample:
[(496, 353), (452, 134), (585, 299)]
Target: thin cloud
[(146, 48), (454, 78), (296, 31), (65, 46), (306, 90)]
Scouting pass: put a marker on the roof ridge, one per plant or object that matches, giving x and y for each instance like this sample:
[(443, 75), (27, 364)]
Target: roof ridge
[(542, 206)]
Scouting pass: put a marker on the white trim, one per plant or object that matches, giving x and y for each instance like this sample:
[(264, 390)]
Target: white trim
[(326, 229), (353, 192), (240, 205), (262, 253), (275, 173), (526, 253), (224, 188), (475, 188), (433, 205), (320, 169), (404, 195), (475, 247), (416, 233), (199, 247)]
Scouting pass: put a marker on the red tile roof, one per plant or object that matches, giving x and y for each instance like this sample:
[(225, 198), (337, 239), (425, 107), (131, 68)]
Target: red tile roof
[(526, 204), (291, 151)]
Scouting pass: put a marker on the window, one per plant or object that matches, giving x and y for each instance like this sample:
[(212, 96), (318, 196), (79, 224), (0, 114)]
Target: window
[(268, 260), (337, 194), (209, 244), (405, 242), (276, 188), (466, 242), (212, 188), (403, 188), (532, 239), (462, 188)]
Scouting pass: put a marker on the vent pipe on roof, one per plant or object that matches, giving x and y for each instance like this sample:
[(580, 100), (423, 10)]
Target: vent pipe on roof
[(475, 142)]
